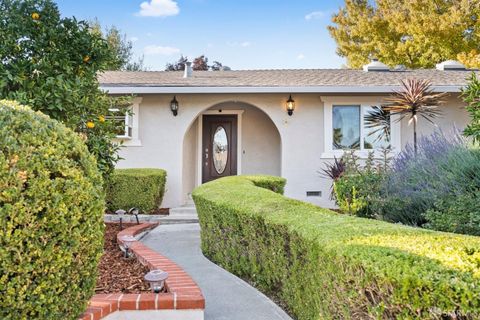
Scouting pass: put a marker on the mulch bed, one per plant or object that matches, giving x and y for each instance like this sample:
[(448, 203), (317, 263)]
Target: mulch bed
[(117, 274)]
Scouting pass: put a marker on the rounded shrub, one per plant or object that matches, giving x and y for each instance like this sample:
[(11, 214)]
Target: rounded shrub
[(323, 265), (51, 227), (141, 188)]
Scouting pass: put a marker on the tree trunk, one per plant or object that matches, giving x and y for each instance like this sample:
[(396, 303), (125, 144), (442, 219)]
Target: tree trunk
[(415, 135)]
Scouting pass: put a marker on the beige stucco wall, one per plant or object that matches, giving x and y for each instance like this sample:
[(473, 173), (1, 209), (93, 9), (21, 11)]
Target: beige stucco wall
[(453, 115), (274, 143), (261, 143)]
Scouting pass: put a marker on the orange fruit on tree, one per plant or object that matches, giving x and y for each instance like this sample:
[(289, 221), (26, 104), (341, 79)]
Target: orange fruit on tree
[(35, 16)]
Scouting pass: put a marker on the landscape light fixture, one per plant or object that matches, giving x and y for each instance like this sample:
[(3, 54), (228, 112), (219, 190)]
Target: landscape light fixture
[(174, 106), (127, 242), (135, 212), (290, 105), (120, 213), (156, 279)]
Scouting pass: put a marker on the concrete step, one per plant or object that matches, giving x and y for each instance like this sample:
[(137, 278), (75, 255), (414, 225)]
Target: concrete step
[(182, 218), (185, 214), (186, 210)]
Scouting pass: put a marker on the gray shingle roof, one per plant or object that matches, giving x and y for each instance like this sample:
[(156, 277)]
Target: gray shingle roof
[(281, 78)]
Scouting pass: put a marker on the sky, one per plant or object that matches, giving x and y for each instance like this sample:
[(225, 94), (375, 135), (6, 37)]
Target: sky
[(241, 34)]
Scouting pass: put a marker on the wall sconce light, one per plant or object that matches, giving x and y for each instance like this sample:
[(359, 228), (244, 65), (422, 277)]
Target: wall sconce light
[(290, 105), (174, 106), (127, 243), (156, 279)]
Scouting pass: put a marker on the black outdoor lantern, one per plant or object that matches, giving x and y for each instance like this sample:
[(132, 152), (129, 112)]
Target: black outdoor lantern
[(290, 105), (174, 106)]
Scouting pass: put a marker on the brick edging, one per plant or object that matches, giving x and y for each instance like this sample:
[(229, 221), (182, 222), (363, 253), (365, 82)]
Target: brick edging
[(183, 293)]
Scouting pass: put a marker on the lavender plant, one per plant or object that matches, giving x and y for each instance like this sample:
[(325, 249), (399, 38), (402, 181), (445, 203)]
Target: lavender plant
[(444, 165)]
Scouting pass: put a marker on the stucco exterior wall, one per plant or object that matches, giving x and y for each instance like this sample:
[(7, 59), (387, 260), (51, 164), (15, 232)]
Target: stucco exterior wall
[(453, 115), (261, 143), (272, 141)]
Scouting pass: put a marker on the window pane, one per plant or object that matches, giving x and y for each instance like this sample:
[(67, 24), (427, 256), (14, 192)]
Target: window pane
[(119, 120), (376, 137), (346, 127)]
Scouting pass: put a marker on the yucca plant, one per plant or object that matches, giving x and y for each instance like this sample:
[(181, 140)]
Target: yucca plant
[(415, 99)]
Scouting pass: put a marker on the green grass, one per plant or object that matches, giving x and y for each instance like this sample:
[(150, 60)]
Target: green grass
[(329, 266)]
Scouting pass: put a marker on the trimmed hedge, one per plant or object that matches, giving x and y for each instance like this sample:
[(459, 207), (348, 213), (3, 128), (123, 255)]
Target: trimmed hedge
[(140, 188), (323, 265), (51, 217)]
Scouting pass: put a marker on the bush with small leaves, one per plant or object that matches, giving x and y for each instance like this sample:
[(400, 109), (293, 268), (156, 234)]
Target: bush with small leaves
[(51, 217)]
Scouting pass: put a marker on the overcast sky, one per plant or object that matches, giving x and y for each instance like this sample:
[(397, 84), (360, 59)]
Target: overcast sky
[(243, 34)]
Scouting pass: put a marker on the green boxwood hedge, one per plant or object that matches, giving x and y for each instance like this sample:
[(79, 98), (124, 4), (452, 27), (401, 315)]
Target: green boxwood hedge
[(140, 188), (51, 218), (324, 265)]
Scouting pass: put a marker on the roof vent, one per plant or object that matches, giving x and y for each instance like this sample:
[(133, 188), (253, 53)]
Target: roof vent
[(450, 65), (375, 65), (188, 70)]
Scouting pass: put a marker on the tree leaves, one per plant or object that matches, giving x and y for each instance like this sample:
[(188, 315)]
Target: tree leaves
[(415, 33), (42, 64), (471, 96)]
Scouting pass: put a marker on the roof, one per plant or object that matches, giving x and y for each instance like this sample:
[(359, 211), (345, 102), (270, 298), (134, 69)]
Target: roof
[(300, 80)]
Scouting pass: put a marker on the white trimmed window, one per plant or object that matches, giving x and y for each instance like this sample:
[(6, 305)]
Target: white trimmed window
[(346, 128), (350, 131), (123, 122), (128, 123)]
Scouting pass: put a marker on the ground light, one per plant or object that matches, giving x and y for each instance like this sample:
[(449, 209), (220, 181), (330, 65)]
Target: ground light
[(135, 212), (120, 213), (156, 279), (127, 243)]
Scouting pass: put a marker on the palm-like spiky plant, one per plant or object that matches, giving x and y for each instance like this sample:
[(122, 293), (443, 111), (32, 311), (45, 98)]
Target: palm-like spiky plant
[(379, 120), (415, 99)]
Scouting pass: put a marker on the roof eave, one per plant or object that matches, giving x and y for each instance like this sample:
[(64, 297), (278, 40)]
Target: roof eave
[(116, 89)]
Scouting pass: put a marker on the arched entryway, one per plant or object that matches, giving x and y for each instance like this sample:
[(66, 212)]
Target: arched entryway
[(254, 136)]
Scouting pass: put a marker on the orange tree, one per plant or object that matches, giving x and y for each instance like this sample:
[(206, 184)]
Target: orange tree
[(51, 63)]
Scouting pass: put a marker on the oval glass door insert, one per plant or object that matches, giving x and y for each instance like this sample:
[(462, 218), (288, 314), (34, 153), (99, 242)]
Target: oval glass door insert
[(220, 149)]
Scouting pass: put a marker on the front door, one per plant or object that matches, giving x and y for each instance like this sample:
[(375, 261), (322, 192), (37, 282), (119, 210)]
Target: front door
[(219, 153)]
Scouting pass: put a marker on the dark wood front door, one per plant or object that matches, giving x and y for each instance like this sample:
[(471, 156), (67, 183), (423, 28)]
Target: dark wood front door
[(219, 153)]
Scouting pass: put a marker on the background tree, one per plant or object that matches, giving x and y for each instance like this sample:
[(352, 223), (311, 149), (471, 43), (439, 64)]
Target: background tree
[(120, 46), (471, 96), (51, 64), (415, 33), (199, 64), (217, 66), (177, 66)]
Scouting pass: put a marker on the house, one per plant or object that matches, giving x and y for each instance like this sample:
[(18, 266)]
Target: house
[(201, 125)]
